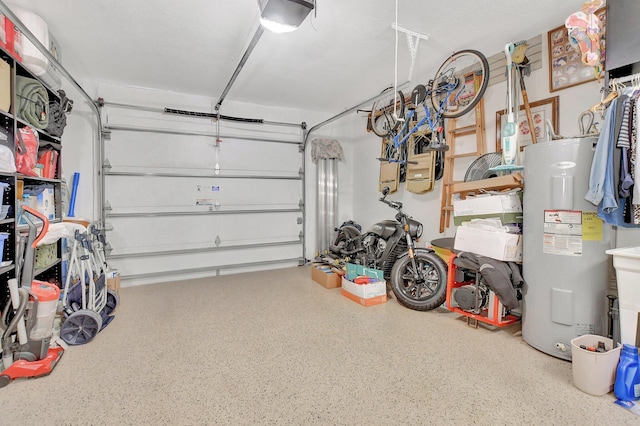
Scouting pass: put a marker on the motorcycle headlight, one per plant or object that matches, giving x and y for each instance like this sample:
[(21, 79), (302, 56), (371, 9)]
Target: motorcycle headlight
[(415, 228)]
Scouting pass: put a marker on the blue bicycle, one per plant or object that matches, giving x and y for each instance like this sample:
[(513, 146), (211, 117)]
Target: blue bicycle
[(455, 90)]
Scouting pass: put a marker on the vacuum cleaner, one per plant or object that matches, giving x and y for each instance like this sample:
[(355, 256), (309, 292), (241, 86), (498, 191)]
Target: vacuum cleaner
[(27, 319), (510, 147)]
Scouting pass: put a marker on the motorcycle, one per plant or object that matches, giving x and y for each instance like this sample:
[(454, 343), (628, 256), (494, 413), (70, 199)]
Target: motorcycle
[(417, 276)]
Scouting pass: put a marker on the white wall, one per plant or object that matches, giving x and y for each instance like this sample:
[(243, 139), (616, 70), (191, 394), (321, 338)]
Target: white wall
[(426, 207), (79, 143), (358, 173)]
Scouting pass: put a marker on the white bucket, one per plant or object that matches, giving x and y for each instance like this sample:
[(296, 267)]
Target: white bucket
[(594, 372)]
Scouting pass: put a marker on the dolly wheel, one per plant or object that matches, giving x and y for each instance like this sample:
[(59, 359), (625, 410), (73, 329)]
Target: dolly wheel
[(4, 380), (81, 327), (113, 300)]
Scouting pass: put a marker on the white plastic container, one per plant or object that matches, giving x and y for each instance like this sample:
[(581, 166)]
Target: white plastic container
[(594, 372), (47, 295), (32, 58), (626, 261)]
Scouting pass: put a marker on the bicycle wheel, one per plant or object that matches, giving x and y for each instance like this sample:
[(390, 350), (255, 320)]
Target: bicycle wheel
[(382, 119), (460, 83)]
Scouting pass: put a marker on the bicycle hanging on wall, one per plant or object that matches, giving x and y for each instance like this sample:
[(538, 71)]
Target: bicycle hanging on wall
[(456, 89)]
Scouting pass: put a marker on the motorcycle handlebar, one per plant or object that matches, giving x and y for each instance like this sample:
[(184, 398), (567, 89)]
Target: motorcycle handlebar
[(395, 204)]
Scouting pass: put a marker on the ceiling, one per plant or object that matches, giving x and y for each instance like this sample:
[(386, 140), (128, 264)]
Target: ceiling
[(339, 57)]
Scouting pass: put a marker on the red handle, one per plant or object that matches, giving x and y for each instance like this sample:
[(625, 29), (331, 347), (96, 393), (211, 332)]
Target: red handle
[(44, 219)]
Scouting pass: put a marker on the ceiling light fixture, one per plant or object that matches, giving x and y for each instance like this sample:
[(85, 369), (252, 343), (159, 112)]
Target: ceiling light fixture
[(283, 16)]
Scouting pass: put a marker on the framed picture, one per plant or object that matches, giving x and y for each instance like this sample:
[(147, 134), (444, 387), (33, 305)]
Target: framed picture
[(541, 111), (566, 68)]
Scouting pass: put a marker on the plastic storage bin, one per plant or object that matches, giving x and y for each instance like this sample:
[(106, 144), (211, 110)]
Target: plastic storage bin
[(594, 372), (3, 186), (626, 261), (3, 238), (5, 207), (46, 255)]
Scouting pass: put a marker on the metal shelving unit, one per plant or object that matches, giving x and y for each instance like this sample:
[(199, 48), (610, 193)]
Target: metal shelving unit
[(11, 123)]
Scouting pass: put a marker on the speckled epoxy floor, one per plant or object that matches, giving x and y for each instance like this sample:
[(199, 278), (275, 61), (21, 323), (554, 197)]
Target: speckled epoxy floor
[(274, 347)]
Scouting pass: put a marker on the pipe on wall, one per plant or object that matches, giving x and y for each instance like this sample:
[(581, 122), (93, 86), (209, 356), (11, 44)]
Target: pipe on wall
[(326, 201)]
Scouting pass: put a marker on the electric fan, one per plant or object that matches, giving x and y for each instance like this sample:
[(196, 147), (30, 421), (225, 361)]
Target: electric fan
[(481, 168)]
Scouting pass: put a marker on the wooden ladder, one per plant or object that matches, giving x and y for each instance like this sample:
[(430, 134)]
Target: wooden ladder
[(447, 176)]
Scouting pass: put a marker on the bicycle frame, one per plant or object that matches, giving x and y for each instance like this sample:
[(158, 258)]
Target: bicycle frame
[(397, 142)]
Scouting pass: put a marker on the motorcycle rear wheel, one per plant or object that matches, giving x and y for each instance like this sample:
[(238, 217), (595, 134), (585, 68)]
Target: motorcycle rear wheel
[(429, 291)]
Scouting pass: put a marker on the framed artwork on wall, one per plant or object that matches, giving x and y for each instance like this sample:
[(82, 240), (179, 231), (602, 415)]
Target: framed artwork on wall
[(541, 111), (566, 68)]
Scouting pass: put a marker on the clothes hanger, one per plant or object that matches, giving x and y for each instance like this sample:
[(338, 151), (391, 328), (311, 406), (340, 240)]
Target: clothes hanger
[(601, 106)]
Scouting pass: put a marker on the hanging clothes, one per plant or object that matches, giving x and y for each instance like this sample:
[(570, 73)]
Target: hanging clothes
[(600, 161), (614, 185), (635, 196), (623, 142)]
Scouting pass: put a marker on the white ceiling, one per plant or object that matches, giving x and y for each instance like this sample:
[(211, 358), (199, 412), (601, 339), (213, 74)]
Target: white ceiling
[(335, 60)]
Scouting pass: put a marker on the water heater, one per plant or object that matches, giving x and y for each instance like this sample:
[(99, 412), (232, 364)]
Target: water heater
[(565, 266)]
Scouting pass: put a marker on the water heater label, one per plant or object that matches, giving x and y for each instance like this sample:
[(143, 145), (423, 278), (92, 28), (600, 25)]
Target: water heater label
[(582, 329), (562, 232)]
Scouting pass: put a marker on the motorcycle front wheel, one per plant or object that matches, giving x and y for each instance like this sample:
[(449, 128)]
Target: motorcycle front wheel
[(429, 290)]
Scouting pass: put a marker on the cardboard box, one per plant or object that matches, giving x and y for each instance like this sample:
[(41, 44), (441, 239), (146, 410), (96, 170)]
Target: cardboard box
[(5, 86), (365, 302), (366, 294), (325, 276), (497, 245), (45, 203), (113, 281), (506, 207), (354, 270)]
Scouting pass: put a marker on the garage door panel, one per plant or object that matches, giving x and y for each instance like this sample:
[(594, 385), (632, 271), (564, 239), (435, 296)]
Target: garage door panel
[(196, 194), (156, 152), (163, 233), (204, 260)]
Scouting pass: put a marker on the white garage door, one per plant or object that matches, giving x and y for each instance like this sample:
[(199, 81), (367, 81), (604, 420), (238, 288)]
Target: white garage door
[(177, 203)]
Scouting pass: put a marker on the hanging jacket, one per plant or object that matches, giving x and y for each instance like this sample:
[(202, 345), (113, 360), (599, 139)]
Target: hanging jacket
[(600, 158)]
